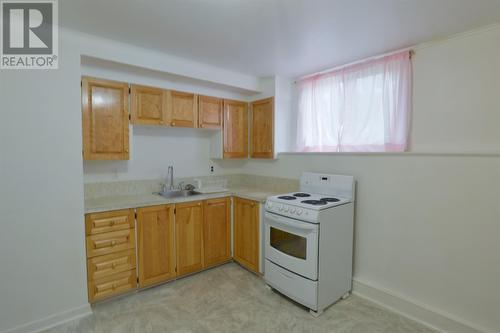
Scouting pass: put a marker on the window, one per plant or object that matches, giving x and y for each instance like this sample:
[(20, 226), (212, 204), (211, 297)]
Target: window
[(360, 108)]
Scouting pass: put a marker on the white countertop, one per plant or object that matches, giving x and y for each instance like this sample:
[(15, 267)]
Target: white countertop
[(108, 203)]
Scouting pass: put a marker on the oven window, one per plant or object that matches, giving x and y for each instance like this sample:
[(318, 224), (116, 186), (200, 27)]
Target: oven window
[(288, 243)]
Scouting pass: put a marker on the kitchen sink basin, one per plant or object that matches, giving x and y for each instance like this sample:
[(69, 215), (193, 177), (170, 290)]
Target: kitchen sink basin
[(177, 193)]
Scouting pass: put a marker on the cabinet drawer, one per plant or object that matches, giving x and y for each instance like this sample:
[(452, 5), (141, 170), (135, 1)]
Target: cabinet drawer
[(112, 285), (110, 264), (97, 223), (110, 242)]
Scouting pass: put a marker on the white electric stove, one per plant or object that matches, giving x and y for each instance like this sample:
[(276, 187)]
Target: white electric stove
[(309, 239)]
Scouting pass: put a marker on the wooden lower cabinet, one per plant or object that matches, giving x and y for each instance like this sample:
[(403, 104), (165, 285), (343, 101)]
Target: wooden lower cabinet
[(156, 247), (217, 231), (102, 266), (110, 242), (98, 223), (246, 233), (111, 261), (172, 240), (112, 285), (189, 237)]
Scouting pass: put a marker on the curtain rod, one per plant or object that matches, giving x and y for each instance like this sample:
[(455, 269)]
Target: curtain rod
[(410, 49)]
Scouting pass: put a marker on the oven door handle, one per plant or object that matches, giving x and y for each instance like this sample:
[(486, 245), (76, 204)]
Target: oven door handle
[(296, 225)]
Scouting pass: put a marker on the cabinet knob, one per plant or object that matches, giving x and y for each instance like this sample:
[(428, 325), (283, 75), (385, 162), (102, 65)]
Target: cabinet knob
[(172, 123), (126, 150), (113, 243)]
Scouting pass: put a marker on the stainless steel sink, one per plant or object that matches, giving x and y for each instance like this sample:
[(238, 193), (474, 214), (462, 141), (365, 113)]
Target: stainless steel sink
[(177, 193)]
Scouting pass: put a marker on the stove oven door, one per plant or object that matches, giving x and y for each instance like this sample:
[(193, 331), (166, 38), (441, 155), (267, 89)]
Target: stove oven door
[(292, 244)]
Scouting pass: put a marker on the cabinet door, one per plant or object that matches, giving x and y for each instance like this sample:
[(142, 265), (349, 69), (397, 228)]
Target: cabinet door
[(105, 119), (189, 237), (155, 233), (217, 231), (246, 233), (209, 112), (262, 128), (235, 129), (182, 109), (148, 105)]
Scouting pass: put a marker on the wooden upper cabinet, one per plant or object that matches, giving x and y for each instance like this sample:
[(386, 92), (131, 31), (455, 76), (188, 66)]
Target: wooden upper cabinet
[(217, 231), (209, 112), (189, 237), (235, 136), (156, 249), (246, 233), (148, 105), (105, 119), (182, 109), (262, 129)]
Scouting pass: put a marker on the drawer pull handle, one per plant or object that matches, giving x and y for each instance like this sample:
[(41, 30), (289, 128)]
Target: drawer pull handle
[(113, 243)]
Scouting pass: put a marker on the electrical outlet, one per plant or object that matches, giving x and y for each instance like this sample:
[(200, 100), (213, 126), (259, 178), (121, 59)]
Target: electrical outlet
[(211, 169)]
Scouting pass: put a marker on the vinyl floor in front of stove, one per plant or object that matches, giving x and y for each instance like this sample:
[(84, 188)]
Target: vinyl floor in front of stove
[(230, 299)]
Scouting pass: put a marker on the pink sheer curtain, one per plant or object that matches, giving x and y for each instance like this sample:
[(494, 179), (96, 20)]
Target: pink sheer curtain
[(365, 107)]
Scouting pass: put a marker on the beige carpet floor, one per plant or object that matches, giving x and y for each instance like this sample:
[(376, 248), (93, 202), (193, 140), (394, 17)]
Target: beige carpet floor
[(230, 299)]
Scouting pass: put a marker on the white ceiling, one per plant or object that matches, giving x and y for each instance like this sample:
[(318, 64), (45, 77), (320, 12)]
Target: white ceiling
[(286, 37)]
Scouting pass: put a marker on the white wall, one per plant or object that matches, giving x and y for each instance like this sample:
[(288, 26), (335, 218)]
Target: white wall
[(457, 94), (153, 149), (123, 53), (428, 226), (43, 277)]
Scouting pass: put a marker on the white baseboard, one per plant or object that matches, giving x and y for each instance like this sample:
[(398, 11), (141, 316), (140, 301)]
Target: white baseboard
[(53, 320), (429, 317)]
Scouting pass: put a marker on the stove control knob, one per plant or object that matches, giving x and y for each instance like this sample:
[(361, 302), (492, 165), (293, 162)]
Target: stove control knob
[(286, 209), (292, 210), (280, 207), (299, 211)]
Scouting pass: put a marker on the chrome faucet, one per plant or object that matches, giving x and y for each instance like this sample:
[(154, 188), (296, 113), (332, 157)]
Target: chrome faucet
[(170, 178)]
